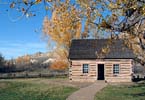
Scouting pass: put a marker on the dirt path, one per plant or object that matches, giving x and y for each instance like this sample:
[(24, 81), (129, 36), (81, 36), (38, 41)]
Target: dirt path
[(87, 93)]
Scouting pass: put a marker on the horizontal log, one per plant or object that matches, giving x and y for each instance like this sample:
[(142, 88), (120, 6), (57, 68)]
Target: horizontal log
[(93, 65), (125, 70), (78, 77), (76, 68), (108, 64), (118, 78), (109, 70), (73, 70)]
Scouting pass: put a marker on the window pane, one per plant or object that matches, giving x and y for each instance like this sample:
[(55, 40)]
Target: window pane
[(85, 68), (116, 69)]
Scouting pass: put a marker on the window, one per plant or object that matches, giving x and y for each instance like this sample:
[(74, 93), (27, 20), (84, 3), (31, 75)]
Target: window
[(116, 69), (85, 68)]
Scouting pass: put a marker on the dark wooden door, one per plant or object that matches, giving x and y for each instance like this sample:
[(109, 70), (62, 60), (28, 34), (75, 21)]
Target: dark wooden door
[(100, 71)]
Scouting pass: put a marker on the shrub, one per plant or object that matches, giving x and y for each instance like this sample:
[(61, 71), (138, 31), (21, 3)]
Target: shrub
[(59, 65)]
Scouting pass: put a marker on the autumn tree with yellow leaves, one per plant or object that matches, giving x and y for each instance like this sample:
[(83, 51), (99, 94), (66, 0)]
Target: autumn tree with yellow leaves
[(123, 19), (64, 25), (23, 60), (71, 19)]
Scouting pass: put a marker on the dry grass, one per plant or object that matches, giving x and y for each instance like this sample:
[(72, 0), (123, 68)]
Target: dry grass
[(34, 89), (51, 81)]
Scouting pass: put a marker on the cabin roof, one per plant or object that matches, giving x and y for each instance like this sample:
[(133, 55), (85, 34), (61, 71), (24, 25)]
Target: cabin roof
[(92, 49)]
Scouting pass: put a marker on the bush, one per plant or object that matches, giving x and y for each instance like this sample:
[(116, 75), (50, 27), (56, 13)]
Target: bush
[(59, 65)]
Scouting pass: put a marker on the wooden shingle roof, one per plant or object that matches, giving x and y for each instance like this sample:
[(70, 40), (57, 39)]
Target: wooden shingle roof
[(92, 48)]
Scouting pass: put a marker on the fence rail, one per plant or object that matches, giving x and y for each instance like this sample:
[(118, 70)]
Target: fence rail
[(28, 75)]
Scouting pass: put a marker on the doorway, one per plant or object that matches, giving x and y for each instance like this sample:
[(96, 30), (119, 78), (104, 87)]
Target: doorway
[(100, 71)]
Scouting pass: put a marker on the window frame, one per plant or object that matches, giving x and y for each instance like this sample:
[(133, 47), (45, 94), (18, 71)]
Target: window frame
[(116, 69), (85, 70)]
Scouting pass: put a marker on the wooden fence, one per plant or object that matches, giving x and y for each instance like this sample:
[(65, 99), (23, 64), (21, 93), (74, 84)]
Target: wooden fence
[(32, 75)]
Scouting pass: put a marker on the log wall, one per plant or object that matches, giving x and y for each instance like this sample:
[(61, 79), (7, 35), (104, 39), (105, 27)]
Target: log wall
[(76, 70), (124, 73)]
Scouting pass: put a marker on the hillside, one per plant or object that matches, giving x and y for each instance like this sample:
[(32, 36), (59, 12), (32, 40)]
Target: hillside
[(36, 62)]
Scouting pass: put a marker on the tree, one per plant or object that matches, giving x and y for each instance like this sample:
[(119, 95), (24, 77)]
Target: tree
[(62, 27), (59, 65), (64, 24), (123, 17), (23, 60), (2, 61), (95, 18)]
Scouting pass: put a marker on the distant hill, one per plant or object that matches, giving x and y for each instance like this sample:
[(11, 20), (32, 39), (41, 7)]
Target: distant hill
[(37, 58), (35, 62)]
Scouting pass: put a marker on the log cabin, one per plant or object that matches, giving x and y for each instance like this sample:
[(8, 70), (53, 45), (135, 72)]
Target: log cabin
[(100, 59)]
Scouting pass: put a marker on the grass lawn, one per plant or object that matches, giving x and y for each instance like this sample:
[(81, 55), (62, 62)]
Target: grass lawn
[(19, 90), (122, 92)]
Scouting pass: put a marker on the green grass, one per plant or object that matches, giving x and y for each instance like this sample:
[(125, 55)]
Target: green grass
[(122, 92), (15, 90)]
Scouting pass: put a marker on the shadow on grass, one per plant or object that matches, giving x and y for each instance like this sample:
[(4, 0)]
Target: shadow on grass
[(139, 94), (138, 85), (136, 95)]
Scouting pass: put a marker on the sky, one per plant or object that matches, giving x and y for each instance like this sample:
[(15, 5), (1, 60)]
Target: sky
[(18, 38)]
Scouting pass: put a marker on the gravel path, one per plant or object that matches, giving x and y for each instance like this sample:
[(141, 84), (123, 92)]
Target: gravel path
[(87, 93)]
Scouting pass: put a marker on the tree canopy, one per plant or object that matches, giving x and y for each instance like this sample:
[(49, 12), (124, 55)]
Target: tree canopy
[(71, 19)]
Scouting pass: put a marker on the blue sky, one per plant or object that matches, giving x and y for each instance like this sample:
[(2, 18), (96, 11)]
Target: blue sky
[(19, 38)]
